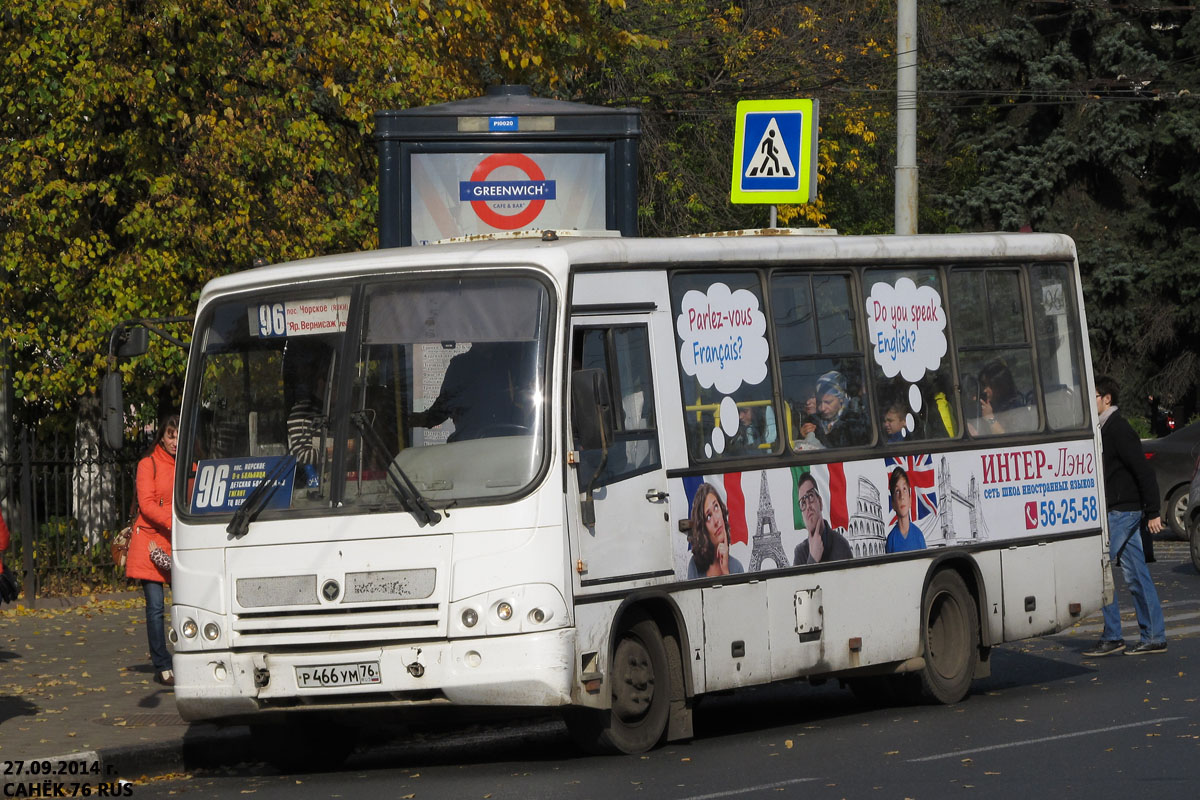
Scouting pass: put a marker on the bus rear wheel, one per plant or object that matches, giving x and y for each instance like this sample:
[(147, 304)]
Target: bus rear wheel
[(640, 685), (950, 636)]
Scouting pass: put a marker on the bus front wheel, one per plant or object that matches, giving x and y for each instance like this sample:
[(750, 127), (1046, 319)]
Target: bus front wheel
[(950, 635), (640, 695)]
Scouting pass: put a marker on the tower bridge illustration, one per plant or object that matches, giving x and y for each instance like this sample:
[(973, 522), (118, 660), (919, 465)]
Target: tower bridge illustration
[(948, 498)]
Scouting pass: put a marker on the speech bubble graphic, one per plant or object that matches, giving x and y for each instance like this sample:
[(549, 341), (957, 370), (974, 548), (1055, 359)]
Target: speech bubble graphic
[(722, 345), (907, 325)]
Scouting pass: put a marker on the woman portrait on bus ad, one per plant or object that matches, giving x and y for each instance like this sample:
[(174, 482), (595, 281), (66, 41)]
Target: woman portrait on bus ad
[(708, 536), (905, 535)]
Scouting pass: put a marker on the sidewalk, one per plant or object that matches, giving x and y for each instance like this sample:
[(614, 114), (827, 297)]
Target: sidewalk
[(76, 680)]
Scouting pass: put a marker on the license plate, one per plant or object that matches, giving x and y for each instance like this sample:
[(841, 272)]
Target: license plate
[(327, 676)]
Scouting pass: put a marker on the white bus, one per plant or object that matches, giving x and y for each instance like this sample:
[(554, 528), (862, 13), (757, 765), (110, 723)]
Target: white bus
[(610, 475)]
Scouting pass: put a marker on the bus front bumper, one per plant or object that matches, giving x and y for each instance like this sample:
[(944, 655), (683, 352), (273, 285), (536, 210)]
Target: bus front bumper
[(533, 669)]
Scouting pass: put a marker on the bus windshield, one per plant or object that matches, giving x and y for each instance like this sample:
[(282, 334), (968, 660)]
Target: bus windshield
[(356, 397)]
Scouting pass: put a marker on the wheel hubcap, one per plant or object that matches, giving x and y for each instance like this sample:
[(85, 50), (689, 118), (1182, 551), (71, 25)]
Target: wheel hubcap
[(633, 681), (947, 635)]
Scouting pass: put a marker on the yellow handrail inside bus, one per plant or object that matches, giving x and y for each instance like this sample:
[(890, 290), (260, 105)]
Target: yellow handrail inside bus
[(715, 410)]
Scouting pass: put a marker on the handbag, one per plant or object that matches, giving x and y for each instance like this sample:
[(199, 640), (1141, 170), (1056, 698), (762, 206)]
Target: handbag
[(120, 546), (120, 542), (159, 558)]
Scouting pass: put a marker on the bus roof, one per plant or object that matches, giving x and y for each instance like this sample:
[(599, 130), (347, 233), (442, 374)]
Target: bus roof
[(560, 256)]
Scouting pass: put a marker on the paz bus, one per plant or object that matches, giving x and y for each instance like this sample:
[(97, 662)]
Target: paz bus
[(609, 475)]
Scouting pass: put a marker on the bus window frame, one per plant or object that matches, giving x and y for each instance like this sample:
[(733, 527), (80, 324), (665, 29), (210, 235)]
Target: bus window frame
[(853, 276), (356, 286), (1029, 345)]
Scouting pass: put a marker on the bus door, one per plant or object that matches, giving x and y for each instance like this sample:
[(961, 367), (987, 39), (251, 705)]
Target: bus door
[(631, 536)]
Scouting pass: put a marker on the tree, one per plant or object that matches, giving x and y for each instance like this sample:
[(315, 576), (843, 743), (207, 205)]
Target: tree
[(147, 146), (1077, 117), (698, 58)]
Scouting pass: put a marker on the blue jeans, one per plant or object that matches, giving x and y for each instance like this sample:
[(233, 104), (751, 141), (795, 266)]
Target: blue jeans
[(160, 657), (1124, 532)]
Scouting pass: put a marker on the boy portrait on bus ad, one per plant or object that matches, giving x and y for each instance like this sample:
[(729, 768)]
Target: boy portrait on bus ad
[(905, 535)]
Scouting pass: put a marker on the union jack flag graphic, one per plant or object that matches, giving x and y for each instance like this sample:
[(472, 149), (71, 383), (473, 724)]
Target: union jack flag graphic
[(921, 480)]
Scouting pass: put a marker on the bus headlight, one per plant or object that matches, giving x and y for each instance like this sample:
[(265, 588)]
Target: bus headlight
[(189, 629), (504, 611), (211, 631)]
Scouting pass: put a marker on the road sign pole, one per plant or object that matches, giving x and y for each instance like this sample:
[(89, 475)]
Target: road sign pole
[(906, 117)]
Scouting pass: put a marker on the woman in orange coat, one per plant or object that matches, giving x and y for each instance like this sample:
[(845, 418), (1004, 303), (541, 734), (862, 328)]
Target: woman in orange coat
[(9, 588), (149, 557)]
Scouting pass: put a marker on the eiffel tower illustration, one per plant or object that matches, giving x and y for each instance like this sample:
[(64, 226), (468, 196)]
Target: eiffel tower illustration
[(768, 544)]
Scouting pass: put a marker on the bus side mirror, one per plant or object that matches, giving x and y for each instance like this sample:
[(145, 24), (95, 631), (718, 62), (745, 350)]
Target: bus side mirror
[(112, 408), (591, 409), (133, 342)]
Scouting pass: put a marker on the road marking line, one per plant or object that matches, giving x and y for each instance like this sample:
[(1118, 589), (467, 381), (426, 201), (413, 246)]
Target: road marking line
[(748, 789), (1024, 742)]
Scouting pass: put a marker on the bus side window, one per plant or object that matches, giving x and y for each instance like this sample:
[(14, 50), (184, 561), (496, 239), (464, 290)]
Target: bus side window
[(821, 362), (927, 408), (995, 356), (623, 353), (1056, 332)]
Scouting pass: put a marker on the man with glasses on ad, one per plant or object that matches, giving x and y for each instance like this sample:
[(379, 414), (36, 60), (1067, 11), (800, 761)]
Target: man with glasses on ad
[(823, 543)]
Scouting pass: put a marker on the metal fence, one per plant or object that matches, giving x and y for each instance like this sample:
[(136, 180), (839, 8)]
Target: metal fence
[(66, 499)]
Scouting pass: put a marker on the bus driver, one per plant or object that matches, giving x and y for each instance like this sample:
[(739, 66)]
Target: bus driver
[(487, 391)]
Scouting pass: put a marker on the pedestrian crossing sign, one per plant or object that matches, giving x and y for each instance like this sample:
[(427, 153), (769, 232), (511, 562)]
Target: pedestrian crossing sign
[(775, 152)]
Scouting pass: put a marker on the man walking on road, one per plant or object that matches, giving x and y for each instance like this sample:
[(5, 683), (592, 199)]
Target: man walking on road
[(1130, 490)]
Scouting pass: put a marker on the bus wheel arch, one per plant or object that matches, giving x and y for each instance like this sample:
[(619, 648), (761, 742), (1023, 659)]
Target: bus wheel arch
[(648, 693), (950, 633)]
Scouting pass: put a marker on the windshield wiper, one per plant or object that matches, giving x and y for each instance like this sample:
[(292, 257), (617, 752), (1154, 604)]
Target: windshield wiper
[(257, 501), (400, 484)]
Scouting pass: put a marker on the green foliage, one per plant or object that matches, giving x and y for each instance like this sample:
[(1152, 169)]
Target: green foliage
[(1078, 118), (148, 146), (696, 59)]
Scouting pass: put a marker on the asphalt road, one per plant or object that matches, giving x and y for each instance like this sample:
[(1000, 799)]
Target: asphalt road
[(1049, 722)]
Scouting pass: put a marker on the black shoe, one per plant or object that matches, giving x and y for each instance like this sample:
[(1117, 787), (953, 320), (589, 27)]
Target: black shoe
[(166, 677), (1104, 648), (1147, 647)]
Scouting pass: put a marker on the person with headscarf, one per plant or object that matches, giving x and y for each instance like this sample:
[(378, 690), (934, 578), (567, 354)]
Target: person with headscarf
[(835, 424)]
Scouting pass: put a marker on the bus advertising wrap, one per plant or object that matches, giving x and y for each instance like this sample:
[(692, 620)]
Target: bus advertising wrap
[(764, 519)]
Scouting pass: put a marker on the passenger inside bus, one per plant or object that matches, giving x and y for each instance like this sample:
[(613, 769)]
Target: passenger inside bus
[(306, 371), (836, 422), (756, 429), (894, 427), (488, 391), (1002, 408)]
